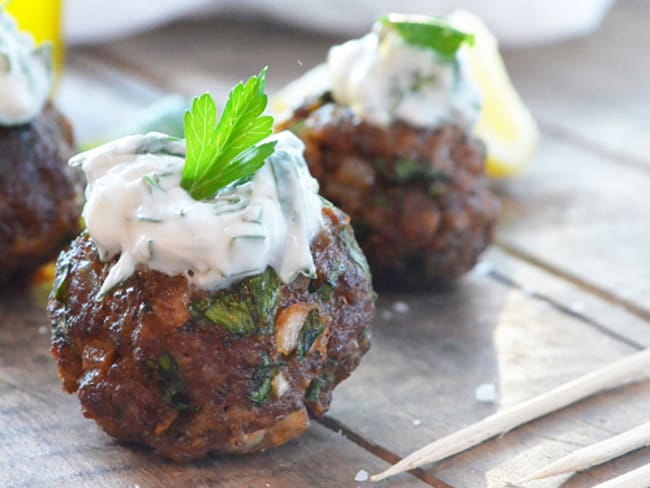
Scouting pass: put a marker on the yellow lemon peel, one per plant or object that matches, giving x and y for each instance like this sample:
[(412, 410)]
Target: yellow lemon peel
[(505, 124)]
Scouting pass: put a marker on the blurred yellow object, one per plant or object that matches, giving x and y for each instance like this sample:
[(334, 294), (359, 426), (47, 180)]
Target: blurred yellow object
[(505, 124), (45, 274), (42, 19)]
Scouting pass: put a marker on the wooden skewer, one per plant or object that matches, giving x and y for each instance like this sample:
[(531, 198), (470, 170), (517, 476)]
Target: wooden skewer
[(637, 478), (598, 453), (610, 376)]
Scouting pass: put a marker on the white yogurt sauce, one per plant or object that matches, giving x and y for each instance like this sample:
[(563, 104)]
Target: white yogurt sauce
[(383, 78), (25, 74), (136, 208)]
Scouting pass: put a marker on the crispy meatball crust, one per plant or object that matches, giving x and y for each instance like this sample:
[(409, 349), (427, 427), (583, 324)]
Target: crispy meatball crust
[(418, 198), (157, 362), (40, 196)]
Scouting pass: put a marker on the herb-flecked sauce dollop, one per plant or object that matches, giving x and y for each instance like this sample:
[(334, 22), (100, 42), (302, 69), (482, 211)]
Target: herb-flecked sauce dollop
[(382, 78), (137, 209)]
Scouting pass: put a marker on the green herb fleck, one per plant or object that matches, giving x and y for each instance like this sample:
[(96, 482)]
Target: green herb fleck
[(262, 379), (312, 328), (325, 202), (411, 171), (5, 65), (247, 307), (325, 97), (326, 290), (163, 144), (62, 278), (150, 220), (229, 203), (171, 382), (153, 183), (316, 386), (219, 154), (354, 251), (247, 237), (299, 127), (381, 200), (150, 248), (429, 32), (366, 335), (313, 391), (419, 82)]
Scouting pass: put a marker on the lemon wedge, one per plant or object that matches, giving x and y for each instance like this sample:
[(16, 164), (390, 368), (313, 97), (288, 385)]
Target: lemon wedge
[(505, 124)]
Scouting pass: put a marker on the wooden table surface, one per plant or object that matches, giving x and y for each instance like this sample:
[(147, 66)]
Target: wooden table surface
[(565, 290)]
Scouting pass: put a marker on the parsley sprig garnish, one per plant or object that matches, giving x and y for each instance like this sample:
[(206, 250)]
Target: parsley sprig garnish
[(430, 32), (219, 154)]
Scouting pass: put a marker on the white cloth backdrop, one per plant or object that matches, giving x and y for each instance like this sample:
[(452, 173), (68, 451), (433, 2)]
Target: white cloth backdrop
[(516, 22)]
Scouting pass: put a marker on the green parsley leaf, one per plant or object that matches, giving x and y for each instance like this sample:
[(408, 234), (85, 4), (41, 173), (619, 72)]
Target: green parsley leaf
[(310, 331), (219, 154), (249, 307), (429, 32), (263, 379), (172, 385)]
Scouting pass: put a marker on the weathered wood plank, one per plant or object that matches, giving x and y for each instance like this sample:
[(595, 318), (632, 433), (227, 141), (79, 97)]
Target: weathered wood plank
[(45, 441), (594, 90), (192, 57), (418, 382), (581, 214)]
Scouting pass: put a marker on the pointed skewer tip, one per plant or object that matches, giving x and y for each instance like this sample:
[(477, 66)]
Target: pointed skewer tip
[(379, 476), (536, 476)]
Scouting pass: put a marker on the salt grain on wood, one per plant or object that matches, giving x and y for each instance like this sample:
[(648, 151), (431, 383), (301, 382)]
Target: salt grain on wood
[(362, 475), (486, 393), (401, 307)]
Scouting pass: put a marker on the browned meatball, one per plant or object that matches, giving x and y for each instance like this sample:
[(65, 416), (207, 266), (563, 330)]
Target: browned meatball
[(188, 371), (40, 196), (418, 198)]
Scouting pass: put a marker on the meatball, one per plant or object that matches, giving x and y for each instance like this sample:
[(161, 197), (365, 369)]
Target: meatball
[(418, 198), (188, 371), (40, 196)]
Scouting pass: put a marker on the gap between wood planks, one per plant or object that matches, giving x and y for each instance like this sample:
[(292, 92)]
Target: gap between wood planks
[(507, 281), (592, 146), (101, 59), (379, 451), (591, 288)]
